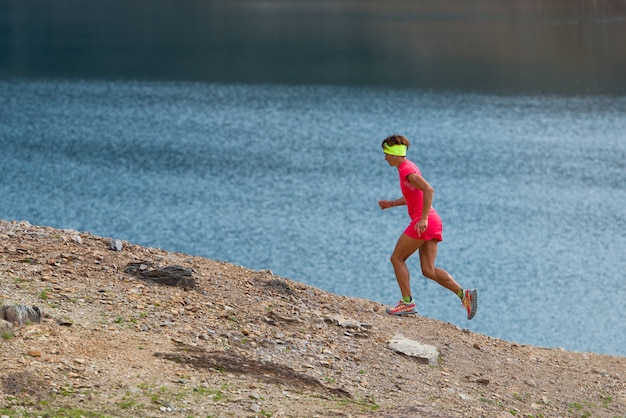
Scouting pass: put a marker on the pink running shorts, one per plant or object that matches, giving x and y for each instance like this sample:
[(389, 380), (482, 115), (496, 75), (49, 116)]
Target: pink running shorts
[(434, 230)]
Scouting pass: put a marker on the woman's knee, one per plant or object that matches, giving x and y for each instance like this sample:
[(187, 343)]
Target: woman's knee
[(429, 272), (396, 259)]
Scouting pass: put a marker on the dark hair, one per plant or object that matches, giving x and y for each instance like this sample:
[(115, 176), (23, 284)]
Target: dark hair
[(396, 140)]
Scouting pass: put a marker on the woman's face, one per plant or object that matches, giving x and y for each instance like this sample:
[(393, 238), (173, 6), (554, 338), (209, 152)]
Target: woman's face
[(392, 160)]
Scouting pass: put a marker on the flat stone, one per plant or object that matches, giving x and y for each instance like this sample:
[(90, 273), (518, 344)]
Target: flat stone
[(426, 354), (34, 353), (346, 322)]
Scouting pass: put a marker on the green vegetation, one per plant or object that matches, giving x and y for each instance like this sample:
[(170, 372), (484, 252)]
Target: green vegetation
[(128, 401), (580, 408), (606, 400), (146, 398), (44, 294), (520, 398), (66, 391), (53, 413), (365, 405)]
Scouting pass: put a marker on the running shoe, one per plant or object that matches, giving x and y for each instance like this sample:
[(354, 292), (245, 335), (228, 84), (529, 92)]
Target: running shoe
[(402, 308), (470, 302)]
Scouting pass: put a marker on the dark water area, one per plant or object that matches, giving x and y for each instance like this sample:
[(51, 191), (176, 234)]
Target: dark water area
[(559, 46)]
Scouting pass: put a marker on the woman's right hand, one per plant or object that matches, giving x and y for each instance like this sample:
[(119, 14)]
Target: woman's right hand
[(385, 204)]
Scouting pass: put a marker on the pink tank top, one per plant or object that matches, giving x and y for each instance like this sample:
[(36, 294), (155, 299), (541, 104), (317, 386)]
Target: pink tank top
[(414, 197)]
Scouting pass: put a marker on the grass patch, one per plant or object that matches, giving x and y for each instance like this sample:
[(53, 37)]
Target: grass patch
[(522, 397), (66, 391), (581, 408), (606, 400), (53, 413), (365, 405), (216, 394), (127, 402), (44, 294)]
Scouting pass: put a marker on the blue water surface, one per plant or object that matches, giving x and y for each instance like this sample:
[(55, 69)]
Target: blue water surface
[(531, 189)]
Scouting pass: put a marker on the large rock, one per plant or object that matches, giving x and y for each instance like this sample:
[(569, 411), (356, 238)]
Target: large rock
[(424, 353), (116, 245), (21, 315)]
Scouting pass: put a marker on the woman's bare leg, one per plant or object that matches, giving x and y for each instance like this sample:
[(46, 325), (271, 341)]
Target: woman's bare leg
[(428, 254), (405, 247)]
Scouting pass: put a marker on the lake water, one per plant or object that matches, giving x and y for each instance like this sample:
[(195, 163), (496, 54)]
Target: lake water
[(531, 189)]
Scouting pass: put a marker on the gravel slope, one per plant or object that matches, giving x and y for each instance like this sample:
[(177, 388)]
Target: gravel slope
[(243, 343)]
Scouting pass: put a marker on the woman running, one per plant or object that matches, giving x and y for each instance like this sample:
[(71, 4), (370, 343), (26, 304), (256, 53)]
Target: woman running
[(423, 233)]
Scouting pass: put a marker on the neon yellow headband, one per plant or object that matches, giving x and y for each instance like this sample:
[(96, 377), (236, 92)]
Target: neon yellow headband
[(398, 150)]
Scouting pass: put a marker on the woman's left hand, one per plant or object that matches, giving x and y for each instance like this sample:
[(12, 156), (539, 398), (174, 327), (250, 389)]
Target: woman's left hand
[(421, 226)]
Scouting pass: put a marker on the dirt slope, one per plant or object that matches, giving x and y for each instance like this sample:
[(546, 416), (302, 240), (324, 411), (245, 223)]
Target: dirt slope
[(244, 343)]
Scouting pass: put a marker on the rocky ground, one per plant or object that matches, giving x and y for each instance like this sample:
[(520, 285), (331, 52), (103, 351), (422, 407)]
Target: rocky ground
[(242, 343)]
